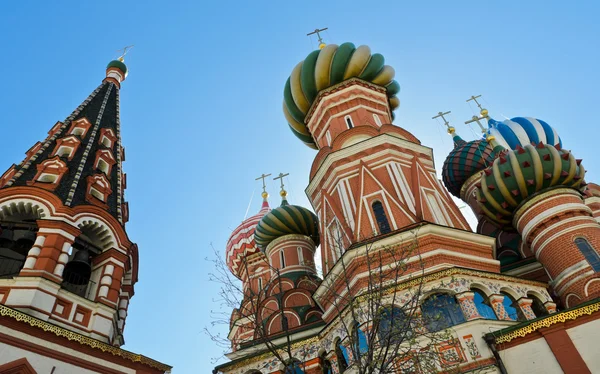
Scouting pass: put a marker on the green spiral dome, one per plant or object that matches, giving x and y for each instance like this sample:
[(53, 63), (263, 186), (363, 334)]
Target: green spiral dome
[(517, 175), (286, 220), (327, 67)]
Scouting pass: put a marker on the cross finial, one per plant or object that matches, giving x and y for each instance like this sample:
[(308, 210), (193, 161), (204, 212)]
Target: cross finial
[(318, 32), (476, 119), (482, 110), (264, 194), (123, 52), (442, 114), (283, 192)]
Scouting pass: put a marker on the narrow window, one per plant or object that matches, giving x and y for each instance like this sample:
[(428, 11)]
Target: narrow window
[(282, 258), (381, 218), (360, 341), (106, 142), (589, 253), (349, 122), (300, 256), (483, 305), (260, 285), (328, 135), (342, 356), (377, 119), (512, 308), (538, 307), (64, 151), (78, 131), (103, 166)]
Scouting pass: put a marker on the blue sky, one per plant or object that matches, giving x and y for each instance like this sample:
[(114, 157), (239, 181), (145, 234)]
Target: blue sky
[(201, 109)]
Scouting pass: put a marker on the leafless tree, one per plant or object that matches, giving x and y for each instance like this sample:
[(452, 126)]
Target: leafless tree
[(374, 293)]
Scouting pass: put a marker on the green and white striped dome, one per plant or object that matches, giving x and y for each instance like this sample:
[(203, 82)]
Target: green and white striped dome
[(325, 68)]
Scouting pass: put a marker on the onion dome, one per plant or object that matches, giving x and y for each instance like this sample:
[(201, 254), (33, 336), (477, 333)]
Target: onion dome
[(520, 131), (119, 65), (285, 220), (241, 242), (519, 174), (464, 161), (325, 68)]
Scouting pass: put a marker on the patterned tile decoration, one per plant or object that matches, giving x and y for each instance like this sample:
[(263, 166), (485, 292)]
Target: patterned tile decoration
[(471, 347), (467, 305), (451, 353), (496, 301), (525, 305)]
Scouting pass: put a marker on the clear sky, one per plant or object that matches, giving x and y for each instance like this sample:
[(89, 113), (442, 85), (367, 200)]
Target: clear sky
[(201, 109)]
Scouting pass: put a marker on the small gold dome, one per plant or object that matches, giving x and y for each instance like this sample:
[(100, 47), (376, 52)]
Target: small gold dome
[(322, 45), (484, 112), (451, 130), (283, 193), (264, 195)]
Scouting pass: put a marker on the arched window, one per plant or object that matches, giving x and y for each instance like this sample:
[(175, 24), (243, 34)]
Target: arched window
[(441, 311), (393, 325), (538, 307), (381, 218), (349, 122), (341, 355), (360, 344), (483, 305), (512, 308), (589, 253), (293, 368), (325, 364), (282, 258)]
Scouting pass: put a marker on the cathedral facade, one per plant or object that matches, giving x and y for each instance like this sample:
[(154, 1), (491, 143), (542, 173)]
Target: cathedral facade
[(67, 266), (407, 286)]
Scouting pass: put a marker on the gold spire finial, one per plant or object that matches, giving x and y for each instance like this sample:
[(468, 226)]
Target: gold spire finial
[(283, 192), (482, 110), (318, 31), (123, 52), (264, 194), (451, 129)]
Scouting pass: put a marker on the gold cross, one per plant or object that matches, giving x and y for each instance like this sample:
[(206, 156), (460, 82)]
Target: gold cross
[(474, 98), (318, 31), (476, 119), (123, 52), (440, 114), (263, 181), (280, 177)]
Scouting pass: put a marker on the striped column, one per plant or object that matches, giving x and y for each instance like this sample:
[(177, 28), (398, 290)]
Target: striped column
[(465, 300), (525, 305), (496, 302), (34, 252)]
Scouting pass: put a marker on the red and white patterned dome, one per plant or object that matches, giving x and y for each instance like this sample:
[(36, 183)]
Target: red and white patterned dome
[(241, 242)]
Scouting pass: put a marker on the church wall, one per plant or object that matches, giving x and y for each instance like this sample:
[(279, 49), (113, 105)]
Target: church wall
[(44, 355), (532, 358), (585, 339)]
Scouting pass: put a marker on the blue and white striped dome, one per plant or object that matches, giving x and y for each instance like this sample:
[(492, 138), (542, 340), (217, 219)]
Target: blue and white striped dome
[(521, 131)]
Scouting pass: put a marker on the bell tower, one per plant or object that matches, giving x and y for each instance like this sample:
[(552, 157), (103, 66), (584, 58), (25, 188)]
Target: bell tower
[(65, 256)]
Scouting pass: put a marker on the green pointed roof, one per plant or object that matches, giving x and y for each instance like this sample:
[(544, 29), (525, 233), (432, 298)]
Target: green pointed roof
[(285, 220)]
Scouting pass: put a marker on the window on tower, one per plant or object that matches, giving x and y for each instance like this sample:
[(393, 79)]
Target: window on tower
[(377, 120), (537, 306), (341, 355), (381, 218), (282, 258), (512, 308), (441, 311), (589, 253), (482, 304), (394, 326), (349, 122)]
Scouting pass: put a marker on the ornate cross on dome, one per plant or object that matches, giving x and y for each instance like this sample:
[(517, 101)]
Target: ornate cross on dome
[(283, 192), (482, 110), (441, 114), (318, 31), (264, 187), (123, 52), (476, 119)]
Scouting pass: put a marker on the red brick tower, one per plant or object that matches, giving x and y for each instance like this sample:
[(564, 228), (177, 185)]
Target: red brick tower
[(537, 190), (66, 260)]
